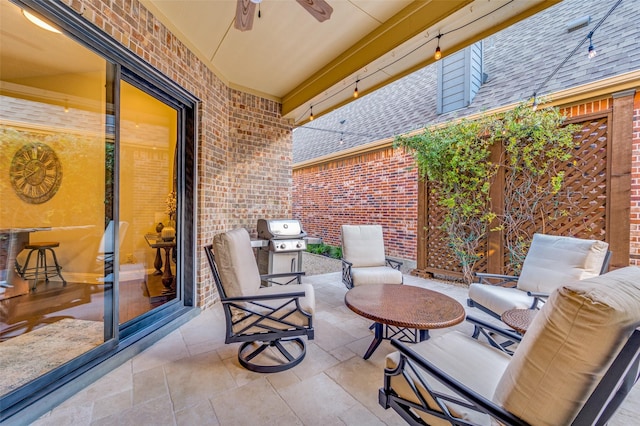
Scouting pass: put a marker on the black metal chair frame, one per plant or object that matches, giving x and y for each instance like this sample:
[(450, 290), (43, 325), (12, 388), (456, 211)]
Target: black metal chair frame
[(511, 280), (258, 315), (347, 278), (600, 406)]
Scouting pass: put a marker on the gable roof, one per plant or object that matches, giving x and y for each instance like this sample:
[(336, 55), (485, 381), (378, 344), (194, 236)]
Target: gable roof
[(517, 61)]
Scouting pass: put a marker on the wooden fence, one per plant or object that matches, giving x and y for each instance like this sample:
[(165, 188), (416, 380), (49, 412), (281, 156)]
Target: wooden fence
[(587, 197)]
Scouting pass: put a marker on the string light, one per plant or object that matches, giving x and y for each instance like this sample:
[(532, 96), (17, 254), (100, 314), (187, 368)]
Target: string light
[(592, 50), (438, 53), (355, 92), (534, 106), (311, 113)]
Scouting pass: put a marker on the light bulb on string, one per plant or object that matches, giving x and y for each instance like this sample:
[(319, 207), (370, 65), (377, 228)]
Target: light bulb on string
[(438, 53), (534, 106), (355, 92), (592, 50), (311, 113)]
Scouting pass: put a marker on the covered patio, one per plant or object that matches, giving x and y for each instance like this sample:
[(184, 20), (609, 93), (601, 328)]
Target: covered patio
[(192, 377)]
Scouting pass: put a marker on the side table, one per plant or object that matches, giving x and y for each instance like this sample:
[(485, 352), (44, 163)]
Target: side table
[(519, 319)]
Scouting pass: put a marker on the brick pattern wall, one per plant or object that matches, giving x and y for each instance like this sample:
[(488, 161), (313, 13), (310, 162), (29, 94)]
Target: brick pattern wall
[(635, 185), (379, 187), (243, 145)]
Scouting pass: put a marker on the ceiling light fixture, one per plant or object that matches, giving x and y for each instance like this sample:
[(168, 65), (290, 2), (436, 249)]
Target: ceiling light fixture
[(438, 53), (39, 22)]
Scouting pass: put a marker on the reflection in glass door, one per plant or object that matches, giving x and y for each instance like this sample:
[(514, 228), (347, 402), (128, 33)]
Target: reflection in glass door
[(147, 203)]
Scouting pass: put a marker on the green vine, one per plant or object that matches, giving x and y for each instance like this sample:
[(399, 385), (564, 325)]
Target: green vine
[(456, 160), (536, 146)]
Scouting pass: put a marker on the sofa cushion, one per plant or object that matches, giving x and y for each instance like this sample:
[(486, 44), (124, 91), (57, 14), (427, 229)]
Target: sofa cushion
[(363, 245), (568, 347), (236, 263), (376, 275), (554, 260), (499, 299)]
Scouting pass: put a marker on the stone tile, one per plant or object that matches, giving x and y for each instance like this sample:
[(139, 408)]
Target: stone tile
[(198, 378), (318, 400), (329, 337), (359, 415), (200, 414), (282, 379), (111, 405), (252, 404), (157, 412), (69, 415), (167, 350), (316, 361), (148, 385)]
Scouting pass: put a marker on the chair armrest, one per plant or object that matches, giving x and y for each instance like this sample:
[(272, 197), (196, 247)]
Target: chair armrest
[(489, 331), (257, 297), (539, 298), (347, 279), (395, 264), (271, 277), (502, 280), (464, 396)]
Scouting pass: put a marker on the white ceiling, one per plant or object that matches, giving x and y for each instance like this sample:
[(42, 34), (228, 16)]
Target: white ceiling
[(288, 55), (291, 57)]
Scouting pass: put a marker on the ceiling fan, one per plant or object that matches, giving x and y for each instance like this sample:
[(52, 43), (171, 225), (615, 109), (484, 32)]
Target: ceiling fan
[(245, 11)]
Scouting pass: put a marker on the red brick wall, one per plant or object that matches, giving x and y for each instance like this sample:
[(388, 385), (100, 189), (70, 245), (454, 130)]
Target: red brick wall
[(378, 187), (635, 185), (243, 145)]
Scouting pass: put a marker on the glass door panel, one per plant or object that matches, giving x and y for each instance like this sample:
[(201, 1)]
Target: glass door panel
[(55, 136), (147, 202)]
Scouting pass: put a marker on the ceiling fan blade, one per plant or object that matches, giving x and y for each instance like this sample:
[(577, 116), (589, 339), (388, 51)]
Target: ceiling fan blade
[(320, 9), (245, 11)]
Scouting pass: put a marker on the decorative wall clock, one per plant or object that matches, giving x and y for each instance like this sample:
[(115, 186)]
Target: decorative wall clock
[(36, 173)]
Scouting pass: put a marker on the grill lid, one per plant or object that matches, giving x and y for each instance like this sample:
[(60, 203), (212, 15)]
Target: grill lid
[(280, 229)]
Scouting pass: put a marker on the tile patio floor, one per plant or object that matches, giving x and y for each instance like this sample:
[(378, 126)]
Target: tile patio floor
[(191, 377)]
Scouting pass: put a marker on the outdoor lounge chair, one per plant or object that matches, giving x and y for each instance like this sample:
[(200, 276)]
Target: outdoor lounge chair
[(551, 261), (269, 321), (575, 364), (363, 257)]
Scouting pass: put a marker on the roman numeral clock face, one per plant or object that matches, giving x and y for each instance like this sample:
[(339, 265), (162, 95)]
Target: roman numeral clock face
[(36, 173)]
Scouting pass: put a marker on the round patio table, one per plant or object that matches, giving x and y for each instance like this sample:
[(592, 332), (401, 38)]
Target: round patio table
[(404, 306)]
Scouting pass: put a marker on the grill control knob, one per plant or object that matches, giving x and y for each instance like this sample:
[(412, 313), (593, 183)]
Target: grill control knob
[(283, 246), (298, 245)]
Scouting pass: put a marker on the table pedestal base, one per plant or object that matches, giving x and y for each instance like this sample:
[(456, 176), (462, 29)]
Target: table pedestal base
[(383, 331)]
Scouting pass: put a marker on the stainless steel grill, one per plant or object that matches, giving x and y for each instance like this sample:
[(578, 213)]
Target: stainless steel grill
[(283, 242)]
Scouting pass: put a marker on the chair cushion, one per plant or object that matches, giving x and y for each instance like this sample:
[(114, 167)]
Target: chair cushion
[(499, 299), (363, 245), (568, 347), (307, 304), (236, 263), (554, 260), (376, 275), (474, 363)]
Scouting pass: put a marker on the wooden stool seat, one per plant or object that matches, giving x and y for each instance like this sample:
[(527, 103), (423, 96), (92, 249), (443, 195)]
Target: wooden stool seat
[(41, 268), (42, 245)]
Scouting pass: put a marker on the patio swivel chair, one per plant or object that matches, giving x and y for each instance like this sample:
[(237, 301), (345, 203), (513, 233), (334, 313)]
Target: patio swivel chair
[(269, 321), (550, 262), (363, 257), (575, 364)]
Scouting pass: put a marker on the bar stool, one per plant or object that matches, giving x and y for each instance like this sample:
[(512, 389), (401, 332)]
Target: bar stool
[(41, 268)]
